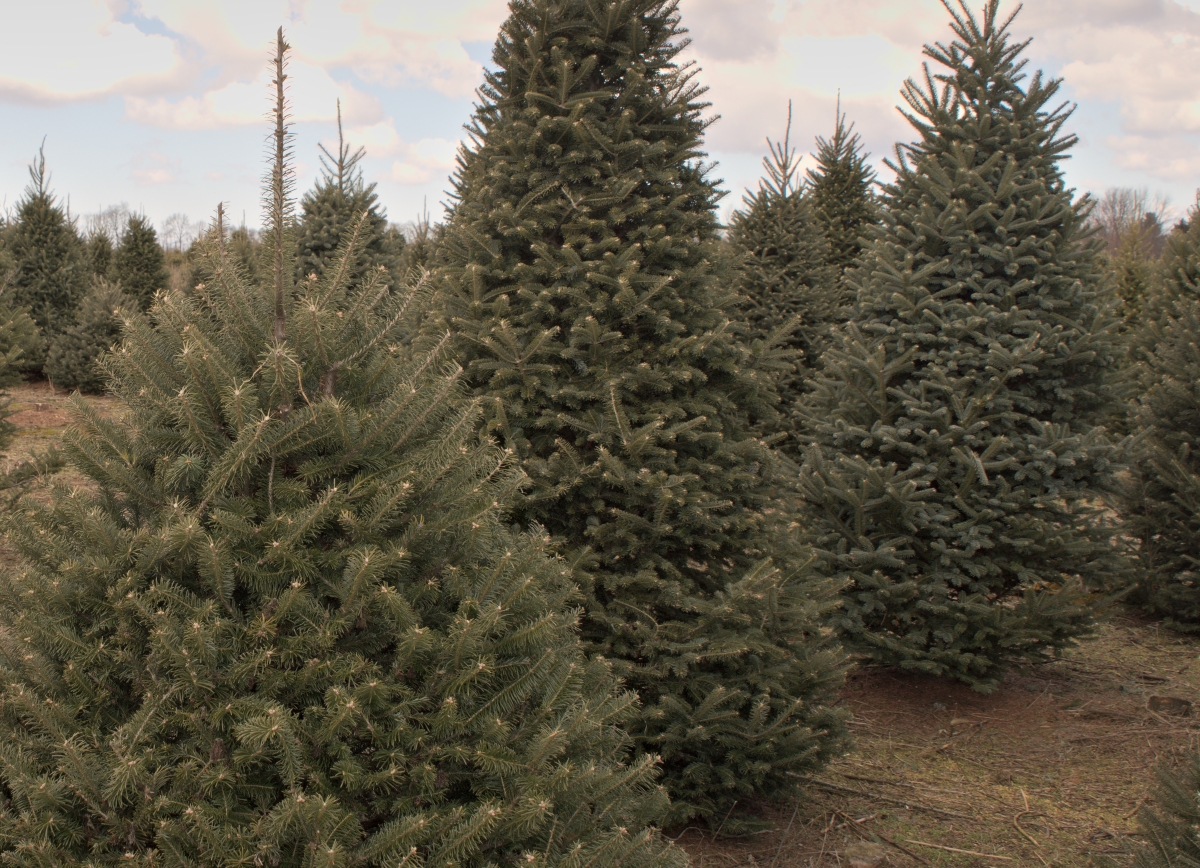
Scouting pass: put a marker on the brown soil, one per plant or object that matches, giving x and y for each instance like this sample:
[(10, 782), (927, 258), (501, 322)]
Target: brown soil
[(1048, 770)]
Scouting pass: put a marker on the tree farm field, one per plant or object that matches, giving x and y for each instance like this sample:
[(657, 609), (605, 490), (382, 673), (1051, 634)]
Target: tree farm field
[(1050, 769)]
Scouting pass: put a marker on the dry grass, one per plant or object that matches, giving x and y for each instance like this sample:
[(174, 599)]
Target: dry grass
[(1049, 770)]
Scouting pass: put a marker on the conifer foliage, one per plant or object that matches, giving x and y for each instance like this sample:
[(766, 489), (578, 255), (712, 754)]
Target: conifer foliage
[(783, 273), (952, 459), (579, 280), (1162, 498), (73, 359), (333, 207), (286, 624), (842, 190), (50, 271), (1170, 825), (139, 264)]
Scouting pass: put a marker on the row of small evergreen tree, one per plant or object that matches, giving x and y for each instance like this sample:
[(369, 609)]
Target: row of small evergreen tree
[(304, 613)]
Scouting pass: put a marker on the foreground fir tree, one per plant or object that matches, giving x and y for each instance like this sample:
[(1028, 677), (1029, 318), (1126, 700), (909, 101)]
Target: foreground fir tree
[(953, 467), (781, 256), (72, 361), (340, 198), (1170, 825), (49, 270), (579, 280), (139, 264), (285, 623), (842, 191)]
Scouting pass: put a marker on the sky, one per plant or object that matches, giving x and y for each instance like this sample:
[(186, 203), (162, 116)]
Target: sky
[(160, 104)]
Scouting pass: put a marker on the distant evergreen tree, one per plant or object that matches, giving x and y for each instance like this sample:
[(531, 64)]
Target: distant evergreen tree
[(842, 190), (580, 285), (72, 361), (781, 255), (286, 623), (1178, 269), (244, 250), (420, 248), (18, 338), (333, 207), (953, 467), (100, 254), (50, 272), (139, 264)]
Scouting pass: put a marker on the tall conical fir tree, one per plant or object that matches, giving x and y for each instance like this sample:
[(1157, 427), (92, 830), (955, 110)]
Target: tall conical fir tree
[(790, 292), (952, 466), (333, 206), (841, 188), (579, 280), (286, 623), (50, 272), (139, 264)]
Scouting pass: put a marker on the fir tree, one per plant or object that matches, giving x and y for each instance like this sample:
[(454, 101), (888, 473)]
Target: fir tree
[(328, 211), (579, 280), (1161, 500), (781, 257), (18, 339), (72, 360), (139, 264), (286, 624), (1170, 825), (100, 254), (50, 272), (953, 467), (842, 190)]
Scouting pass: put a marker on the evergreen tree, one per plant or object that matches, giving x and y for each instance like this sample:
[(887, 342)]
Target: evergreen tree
[(139, 264), (1161, 500), (1178, 270), (286, 624), (100, 254), (18, 339), (329, 210), (579, 282), (952, 466), (1170, 825), (842, 190), (72, 361), (790, 292), (50, 272), (245, 251)]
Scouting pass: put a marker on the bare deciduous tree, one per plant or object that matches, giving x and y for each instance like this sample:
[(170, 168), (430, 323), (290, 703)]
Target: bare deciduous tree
[(1122, 209)]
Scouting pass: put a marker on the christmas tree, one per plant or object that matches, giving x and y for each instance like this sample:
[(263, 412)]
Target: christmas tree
[(328, 211), (580, 280), (842, 190), (953, 466), (71, 362), (781, 255), (49, 272), (1170, 825), (18, 339), (286, 623), (100, 254), (1161, 498), (139, 265)]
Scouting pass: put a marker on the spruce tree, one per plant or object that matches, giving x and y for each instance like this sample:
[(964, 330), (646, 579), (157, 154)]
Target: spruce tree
[(842, 190), (286, 624), (139, 264), (72, 360), (50, 272), (100, 254), (579, 279), (333, 206), (18, 339), (781, 258), (952, 466), (1170, 824), (1161, 497)]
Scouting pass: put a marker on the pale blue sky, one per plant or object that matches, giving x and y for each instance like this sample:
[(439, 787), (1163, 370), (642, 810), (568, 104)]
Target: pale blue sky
[(159, 103)]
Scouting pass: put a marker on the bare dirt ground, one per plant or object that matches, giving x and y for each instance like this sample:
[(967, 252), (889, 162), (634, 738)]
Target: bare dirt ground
[(1049, 770)]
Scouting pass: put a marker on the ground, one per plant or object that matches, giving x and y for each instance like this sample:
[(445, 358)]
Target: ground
[(1050, 769)]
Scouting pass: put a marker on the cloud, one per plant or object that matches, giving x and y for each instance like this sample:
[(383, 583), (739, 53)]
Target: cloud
[(49, 53), (153, 169)]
